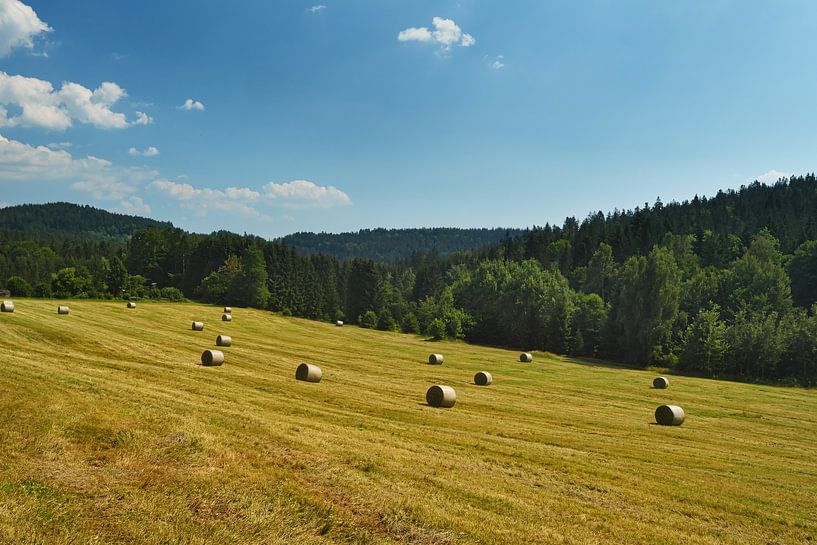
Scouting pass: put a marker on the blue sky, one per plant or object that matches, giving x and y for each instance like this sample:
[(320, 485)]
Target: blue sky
[(341, 115)]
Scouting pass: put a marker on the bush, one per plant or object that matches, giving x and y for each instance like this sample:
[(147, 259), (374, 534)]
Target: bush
[(172, 294), (286, 312), (43, 289), (19, 287), (386, 322), (368, 320), (410, 324), (436, 329)]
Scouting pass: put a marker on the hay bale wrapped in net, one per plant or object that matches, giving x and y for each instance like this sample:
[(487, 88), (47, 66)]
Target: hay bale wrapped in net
[(226, 317), (131, 304), (62, 309), (670, 415), (224, 340), (7, 306), (441, 396), (308, 373), (526, 357), (228, 310), (436, 359), (198, 326), (339, 323), (660, 383), (483, 378), (212, 357)]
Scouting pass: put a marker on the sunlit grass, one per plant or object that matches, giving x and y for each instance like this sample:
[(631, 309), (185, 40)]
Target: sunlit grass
[(111, 433)]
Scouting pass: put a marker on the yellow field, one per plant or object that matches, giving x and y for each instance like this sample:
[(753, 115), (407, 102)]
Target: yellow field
[(111, 433)]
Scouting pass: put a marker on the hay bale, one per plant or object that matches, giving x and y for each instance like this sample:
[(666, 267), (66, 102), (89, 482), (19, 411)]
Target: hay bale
[(226, 318), (660, 383), (228, 310), (670, 415), (131, 304), (212, 357), (526, 357), (63, 310), (483, 378), (339, 323), (224, 340), (308, 373), (198, 326), (441, 396), (436, 359), (7, 306)]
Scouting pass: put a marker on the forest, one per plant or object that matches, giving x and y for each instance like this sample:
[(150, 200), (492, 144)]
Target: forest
[(719, 287)]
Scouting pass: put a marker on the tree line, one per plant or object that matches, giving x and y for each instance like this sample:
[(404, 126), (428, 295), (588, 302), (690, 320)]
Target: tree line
[(717, 287)]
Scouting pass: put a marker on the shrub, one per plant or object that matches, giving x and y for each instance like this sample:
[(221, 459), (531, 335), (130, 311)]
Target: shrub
[(43, 289), (19, 287), (173, 294), (368, 320), (286, 312), (410, 324), (436, 329), (386, 322)]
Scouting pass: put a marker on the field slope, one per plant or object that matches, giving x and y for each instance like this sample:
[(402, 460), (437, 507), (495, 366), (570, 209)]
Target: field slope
[(111, 433)]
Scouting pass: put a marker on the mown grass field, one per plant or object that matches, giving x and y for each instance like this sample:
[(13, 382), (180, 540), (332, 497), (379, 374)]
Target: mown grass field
[(111, 433)]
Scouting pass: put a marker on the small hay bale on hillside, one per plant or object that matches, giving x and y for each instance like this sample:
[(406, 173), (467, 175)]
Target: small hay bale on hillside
[(131, 304), (228, 310), (483, 378), (441, 396), (308, 373), (670, 415), (212, 357), (62, 309), (224, 340), (198, 326), (339, 323), (436, 359), (526, 357), (226, 318), (7, 306), (660, 383)]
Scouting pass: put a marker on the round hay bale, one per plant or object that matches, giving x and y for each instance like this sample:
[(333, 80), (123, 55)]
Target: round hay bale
[(228, 310), (526, 357), (63, 310), (483, 378), (339, 323), (436, 359), (131, 304), (308, 373), (198, 326), (7, 306), (670, 415), (441, 396), (224, 340), (660, 383), (212, 357), (226, 318)]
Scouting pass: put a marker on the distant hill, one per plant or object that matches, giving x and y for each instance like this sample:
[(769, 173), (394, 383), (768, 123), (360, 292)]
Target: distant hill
[(67, 219), (393, 244)]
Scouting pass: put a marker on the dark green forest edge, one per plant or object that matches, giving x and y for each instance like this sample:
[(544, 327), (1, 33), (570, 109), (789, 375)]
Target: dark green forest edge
[(721, 287)]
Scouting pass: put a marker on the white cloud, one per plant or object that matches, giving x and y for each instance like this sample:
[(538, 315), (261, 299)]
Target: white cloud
[(191, 104), (143, 119), (248, 201), (771, 176), (60, 145), (316, 8), (4, 204), (446, 33), (305, 194), (150, 151), (134, 205), (202, 201), (42, 106), (19, 25), (21, 162), (497, 63)]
